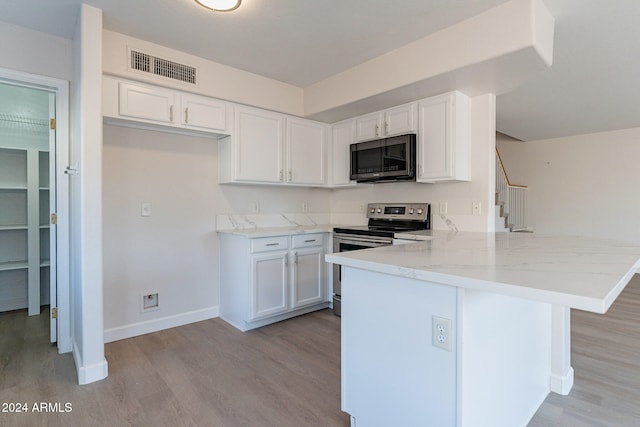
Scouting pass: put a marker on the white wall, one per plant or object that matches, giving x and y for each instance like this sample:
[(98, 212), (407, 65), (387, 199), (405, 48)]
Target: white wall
[(175, 251), (580, 185), (31, 51), (214, 79), (86, 208)]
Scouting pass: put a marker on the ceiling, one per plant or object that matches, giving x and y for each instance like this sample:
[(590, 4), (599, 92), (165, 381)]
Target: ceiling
[(592, 86)]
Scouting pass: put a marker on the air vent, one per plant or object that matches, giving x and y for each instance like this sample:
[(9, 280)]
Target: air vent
[(162, 67)]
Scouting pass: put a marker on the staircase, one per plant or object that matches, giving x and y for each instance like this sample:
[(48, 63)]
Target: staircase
[(511, 202)]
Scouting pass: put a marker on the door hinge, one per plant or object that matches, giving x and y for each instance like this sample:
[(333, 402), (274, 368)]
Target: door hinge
[(54, 313), (52, 124), (54, 218)]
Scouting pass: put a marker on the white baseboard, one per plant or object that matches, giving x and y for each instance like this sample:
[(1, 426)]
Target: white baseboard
[(562, 384), (90, 373), (155, 325)]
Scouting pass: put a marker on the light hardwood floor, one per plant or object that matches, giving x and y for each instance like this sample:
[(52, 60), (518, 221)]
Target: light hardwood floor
[(287, 374)]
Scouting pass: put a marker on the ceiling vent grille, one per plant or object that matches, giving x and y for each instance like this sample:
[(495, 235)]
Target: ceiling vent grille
[(162, 67)]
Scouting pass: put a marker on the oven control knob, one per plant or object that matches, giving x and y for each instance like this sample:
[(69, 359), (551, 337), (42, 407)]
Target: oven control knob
[(419, 211), (410, 211), (378, 210), (373, 210)]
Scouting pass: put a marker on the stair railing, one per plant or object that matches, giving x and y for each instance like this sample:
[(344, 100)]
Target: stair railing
[(512, 198)]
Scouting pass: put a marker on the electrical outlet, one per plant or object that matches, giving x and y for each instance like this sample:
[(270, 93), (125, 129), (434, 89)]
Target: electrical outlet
[(476, 208), (443, 208), (305, 207), (145, 209), (255, 207), (361, 208), (441, 333)]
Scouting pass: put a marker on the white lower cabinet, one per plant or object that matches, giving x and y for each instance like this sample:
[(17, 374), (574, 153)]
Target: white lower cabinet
[(268, 279)]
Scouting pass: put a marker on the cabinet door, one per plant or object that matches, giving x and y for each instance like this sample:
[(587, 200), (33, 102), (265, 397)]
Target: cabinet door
[(268, 284), (342, 138), (259, 144), (400, 120), (307, 277), (204, 113), (369, 127), (306, 152), (443, 138), (145, 102)]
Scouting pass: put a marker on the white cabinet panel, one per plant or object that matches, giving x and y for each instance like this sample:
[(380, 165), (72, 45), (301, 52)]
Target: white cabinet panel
[(271, 148), (204, 113), (393, 121), (268, 279), (145, 102), (343, 135), (369, 126), (306, 151), (258, 141), (269, 284), (443, 138), (307, 278), (148, 106)]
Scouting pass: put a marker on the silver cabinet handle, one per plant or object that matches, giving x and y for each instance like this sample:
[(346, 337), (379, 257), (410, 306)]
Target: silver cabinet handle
[(280, 174), (310, 240), (386, 127), (290, 176), (272, 244), (377, 130), (171, 113), (186, 115), (295, 257)]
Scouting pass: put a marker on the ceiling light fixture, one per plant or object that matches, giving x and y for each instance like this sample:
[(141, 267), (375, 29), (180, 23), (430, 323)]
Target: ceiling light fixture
[(220, 5)]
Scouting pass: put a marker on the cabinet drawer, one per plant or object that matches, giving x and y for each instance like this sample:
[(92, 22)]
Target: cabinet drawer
[(306, 240), (262, 244)]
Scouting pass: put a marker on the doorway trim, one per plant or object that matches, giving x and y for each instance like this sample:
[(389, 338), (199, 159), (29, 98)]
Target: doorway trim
[(61, 89)]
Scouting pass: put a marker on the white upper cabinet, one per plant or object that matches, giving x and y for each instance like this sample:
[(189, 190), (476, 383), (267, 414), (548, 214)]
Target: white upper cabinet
[(390, 122), (343, 135), (257, 145), (271, 148), (146, 102), (142, 104), (201, 112), (306, 152), (443, 147)]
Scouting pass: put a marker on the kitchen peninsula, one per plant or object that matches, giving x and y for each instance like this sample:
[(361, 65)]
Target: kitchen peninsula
[(468, 329)]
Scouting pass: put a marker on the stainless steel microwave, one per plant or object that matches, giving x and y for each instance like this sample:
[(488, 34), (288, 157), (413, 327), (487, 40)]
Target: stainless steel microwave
[(386, 159)]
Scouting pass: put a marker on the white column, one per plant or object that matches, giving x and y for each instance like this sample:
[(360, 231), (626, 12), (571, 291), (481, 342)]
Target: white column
[(561, 370)]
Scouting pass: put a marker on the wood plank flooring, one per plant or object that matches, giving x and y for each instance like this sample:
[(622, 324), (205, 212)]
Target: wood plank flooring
[(287, 374), (203, 374)]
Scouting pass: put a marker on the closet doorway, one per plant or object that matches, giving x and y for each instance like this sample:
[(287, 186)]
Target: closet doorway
[(33, 198)]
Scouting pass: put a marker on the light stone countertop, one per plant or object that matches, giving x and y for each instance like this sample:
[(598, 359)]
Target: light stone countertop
[(579, 272), (278, 231)]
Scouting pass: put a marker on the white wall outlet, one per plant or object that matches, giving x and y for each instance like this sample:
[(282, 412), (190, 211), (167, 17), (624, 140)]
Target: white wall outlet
[(255, 207), (145, 209), (443, 208), (305, 207), (150, 302), (441, 333), (476, 208), (361, 208)]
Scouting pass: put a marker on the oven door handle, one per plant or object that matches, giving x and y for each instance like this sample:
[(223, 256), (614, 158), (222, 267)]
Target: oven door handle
[(363, 240)]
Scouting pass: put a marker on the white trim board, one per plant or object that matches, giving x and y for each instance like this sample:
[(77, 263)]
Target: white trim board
[(155, 325)]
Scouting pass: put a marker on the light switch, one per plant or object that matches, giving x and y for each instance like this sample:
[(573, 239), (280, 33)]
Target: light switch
[(145, 209)]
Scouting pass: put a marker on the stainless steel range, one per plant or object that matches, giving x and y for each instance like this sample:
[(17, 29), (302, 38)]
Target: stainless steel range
[(386, 220)]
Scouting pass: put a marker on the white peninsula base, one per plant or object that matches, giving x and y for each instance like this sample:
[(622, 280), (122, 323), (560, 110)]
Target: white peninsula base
[(497, 372)]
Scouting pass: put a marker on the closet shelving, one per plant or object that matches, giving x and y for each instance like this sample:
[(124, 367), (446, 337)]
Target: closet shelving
[(24, 213)]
